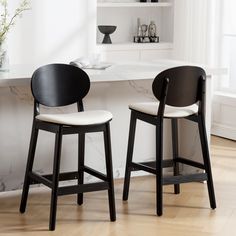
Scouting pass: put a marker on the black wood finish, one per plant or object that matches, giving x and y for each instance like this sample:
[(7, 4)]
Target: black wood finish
[(183, 88), (129, 155), (29, 166), (175, 148), (108, 154), (55, 179), (37, 179), (190, 162), (144, 167), (206, 159), (99, 186), (95, 173), (159, 169), (180, 86), (184, 178), (60, 85), (165, 163), (81, 166), (64, 176)]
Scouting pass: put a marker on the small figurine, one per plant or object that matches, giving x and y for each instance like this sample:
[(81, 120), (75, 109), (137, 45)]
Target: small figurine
[(152, 29), (144, 29), (139, 33), (146, 33)]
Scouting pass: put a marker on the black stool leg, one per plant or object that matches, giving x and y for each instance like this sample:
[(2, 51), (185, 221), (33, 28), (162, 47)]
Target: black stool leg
[(29, 166), (55, 179), (159, 169), (206, 159), (108, 154), (129, 156), (80, 166), (174, 125)]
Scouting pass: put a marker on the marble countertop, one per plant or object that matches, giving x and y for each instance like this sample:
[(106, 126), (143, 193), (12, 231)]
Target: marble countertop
[(19, 75)]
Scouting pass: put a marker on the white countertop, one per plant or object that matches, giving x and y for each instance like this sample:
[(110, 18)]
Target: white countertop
[(19, 75)]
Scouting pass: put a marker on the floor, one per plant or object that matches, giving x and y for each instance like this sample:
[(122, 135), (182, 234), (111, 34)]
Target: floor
[(185, 214)]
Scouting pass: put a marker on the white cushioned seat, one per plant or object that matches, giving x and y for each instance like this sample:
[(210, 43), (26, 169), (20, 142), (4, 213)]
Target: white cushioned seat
[(151, 108), (79, 118)]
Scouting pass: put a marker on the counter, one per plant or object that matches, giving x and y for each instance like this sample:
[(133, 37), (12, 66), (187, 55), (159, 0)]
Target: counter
[(111, 89)]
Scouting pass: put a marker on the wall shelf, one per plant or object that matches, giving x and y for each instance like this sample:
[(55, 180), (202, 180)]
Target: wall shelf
[(134, 4), (124, 15), (134, 46)]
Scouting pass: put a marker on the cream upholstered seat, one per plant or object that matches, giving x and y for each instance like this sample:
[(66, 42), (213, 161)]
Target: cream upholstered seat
[(151, 108), (93, 117)]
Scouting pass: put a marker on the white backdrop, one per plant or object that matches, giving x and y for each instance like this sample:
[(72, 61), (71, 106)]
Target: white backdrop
[(53, 31), (191, 30)]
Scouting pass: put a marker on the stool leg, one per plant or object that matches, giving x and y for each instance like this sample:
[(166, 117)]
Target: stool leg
[(109, 170), (174, 125), (55, 180), (159, 169), (206, 159), (80, 166), (129, 156), (29, 167)]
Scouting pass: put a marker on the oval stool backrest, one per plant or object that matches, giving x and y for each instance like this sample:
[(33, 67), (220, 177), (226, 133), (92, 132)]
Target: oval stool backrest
[(184, 87), (57, 85)]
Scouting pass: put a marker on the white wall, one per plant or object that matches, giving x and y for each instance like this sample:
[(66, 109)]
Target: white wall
[(224, 113), (190, 30), (61, 30), (53, 31), (224, 102)]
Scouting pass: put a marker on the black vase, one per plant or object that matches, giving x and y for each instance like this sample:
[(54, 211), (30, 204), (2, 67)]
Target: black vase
[(154, 0), (143, 0)]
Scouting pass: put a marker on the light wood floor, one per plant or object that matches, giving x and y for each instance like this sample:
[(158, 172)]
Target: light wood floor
[(187, 214)]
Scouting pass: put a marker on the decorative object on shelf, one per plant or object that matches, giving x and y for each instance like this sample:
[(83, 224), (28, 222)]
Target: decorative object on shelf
[(142, 31), (154, 0), (152, 29), (139, 31), (143, 0), (6, 23), (152, 32), (107, 30)]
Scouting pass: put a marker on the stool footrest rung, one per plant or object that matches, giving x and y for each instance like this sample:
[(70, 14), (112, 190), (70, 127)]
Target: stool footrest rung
[(47, 179), (150, 166), (64, 176), (38, 179), (184, 178), (83, 188), (165, 163), (190, 162), (140, 166), (94, 173)]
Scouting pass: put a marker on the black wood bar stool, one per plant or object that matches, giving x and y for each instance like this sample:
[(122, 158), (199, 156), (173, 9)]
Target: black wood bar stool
[(181, 94), (57, 85)]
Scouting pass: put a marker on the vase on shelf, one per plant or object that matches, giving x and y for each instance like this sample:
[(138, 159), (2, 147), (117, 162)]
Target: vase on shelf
[(4, 59), (107, 30)]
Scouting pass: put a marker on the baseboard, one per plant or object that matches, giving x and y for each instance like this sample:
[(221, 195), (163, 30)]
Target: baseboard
[(223, 131)]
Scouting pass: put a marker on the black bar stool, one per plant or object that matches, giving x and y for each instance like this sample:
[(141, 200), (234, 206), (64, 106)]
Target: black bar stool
[(61, 85), (181, 94)]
